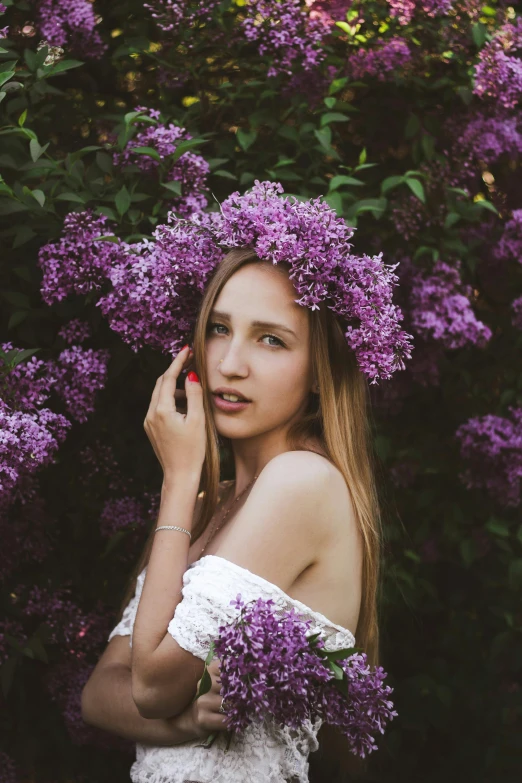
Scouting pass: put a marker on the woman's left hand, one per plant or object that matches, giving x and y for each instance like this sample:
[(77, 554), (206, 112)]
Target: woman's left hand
[(178, 439), (206, 716)]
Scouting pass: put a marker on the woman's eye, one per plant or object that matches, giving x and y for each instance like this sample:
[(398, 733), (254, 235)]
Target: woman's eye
[(271, 336), (211, 327)]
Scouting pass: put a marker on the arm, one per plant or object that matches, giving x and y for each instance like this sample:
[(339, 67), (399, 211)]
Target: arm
[(164, 675), (107, 703)]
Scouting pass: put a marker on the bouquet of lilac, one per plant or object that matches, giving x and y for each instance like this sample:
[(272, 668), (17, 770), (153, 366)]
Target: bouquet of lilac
[(271, 665)]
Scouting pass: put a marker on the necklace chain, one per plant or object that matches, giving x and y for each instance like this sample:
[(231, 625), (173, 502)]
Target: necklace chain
[(215, 529)]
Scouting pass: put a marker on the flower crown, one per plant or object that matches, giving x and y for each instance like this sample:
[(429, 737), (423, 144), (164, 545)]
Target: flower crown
[(162, 282)]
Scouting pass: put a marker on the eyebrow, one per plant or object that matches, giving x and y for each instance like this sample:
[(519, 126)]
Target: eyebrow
[(262, 324)]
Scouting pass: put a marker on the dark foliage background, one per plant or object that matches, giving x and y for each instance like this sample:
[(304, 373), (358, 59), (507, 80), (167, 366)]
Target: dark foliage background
[(400, 132)]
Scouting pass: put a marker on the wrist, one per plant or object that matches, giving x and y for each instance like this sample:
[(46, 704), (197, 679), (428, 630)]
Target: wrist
[(186, 482)]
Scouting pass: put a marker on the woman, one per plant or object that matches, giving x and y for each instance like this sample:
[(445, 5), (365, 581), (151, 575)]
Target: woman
[(299, 524)]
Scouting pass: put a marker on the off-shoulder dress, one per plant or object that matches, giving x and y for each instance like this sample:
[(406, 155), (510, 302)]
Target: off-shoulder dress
[(264, 753)]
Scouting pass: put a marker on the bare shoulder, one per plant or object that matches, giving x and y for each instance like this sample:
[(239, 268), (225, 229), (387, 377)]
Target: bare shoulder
[(289, 517)]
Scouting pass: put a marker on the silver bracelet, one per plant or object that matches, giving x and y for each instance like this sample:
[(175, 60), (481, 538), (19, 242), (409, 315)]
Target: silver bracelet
[(174, 527)]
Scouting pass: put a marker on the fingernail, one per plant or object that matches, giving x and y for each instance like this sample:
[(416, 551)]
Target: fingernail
[(192, 376), (185, 346)]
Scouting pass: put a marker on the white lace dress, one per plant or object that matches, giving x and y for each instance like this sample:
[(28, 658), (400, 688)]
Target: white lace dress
[(264, 753)]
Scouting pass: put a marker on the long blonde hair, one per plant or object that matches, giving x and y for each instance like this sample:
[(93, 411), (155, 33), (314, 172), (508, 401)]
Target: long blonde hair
[(339, 418)]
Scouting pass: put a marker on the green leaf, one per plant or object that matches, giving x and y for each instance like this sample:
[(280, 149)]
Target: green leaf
[(362, 156), (60, 67), (149, 151), (39, 195), (122, 200), (184, 146), (108, 238), (225, 174), (337, 85), (324, 137), (174, 186), (9, 207), (338, 672), (246, 138), (478, 31), (104, 162), (74, 156), (342, 179), (498, 527), (16, 318), (36, 150), (485, 204), (391, 182), (22, 118), (70, 197), (412, 126), (25, 354), (335, 201), (214, 163), (330, 102), (451, 219), (333, 116), (417, 189)]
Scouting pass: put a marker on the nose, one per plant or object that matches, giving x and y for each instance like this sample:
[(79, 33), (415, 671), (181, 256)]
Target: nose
[(233, 363)]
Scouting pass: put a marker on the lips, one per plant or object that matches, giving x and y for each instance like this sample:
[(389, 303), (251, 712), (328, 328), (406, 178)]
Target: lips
[(229, 391), (229, 407)]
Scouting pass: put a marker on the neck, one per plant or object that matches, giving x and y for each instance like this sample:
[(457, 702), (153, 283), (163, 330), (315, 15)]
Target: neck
[(252, 454)]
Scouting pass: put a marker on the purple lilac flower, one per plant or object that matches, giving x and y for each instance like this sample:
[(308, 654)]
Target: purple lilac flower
[(329, 11), (79, 374), (498, 75), (27, 442), (492, 447), (158, 285), (28, 385), (71, 24), (80, 632), (516, 308), (269, 667), (125, 513), (190, 170), (510, 245), (403, 10), (286, 33), (380, 62), (170, 14), (440, 308), (75, 332), (76, 263)]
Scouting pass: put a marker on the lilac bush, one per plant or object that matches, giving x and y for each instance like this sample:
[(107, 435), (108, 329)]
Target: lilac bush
[(190, 170), (441, 308), (491, 447), (381, 62), (498, 74), (71, 24), (76, 263)]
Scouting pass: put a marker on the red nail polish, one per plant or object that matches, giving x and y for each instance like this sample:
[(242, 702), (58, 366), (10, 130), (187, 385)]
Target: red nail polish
[(192, 376), (185, 346)]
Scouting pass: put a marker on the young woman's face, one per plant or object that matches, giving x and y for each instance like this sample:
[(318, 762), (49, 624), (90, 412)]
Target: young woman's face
[(268, 365)]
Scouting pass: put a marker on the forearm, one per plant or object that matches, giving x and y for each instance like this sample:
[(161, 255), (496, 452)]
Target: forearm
[(107, 703), (164, 579)]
